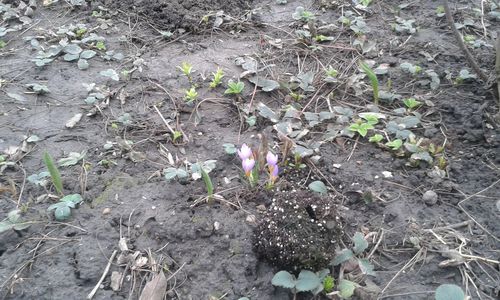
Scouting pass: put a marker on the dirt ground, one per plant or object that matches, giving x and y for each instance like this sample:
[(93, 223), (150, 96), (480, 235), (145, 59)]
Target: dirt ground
[(426, 223)]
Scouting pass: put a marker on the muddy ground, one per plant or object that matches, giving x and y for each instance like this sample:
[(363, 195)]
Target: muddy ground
[(207, 250)]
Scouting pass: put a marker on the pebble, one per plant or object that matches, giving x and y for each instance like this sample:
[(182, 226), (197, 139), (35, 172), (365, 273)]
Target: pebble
[(251, 219), (430, 197), (106, 211)]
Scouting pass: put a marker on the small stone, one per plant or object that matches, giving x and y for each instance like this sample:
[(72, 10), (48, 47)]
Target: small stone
[(430, 197), (261, 207), (106, 211), (115, 280), (216, 226), (251, 219), (387, 174)]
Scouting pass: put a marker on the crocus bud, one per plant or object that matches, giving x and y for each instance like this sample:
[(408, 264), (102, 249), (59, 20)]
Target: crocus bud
[(245, 152)]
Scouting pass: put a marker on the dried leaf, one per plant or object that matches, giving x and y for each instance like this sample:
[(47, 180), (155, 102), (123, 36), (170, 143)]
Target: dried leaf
[(156, 288)]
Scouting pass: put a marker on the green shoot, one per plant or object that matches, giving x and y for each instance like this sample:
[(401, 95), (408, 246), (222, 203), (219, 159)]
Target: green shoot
[(395, 144), (373, 79), (217, 78), (186, 69), (176, 135), (100, 46), (296, 96), (331, 72), (191, 95), (54, 172), (208, 182), (411, 103), (234, 88), (328, 284), (361, 128)]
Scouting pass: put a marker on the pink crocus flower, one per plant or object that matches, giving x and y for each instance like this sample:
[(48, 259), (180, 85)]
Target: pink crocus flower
[(248, 165), (273, 175), (245, 152), (272, 159)]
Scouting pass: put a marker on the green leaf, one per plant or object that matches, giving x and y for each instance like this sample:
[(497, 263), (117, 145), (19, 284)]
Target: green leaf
[(111, 74), (6, 225), (318, 187), (360, 243), (346, 288), (376, 138), (54, 172), (267, 113), (87, 54), (267, 85), (229, 148), (424, 155), (395, 144), (373, 79), (170, 173), (70, 57), (342, 256), (14, 216), (366, 267), (72, 159), (83, 64), (208, 182), (284, 279), (307, 281), (449, 292), (62, 213), (72, 49), (73, 198)]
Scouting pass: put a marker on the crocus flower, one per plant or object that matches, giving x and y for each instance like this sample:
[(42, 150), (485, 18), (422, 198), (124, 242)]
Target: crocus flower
[(248, 165), (245, 152), (273, 175), (271, 158)]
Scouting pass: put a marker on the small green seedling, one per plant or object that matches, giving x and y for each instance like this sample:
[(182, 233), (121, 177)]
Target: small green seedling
[(464, 75), (217, 80), (234, 88), (376, 138), (373, 79), (307, 281), (100, 46), (191, 95), (176, 135), (411, 103), (302, 14), (202, 170), (230, 148), (55, 175), (365, 3), (331, 75), (440, 12), (296, 96), (361, 127), (13, 221), (175, 173), (395, 144), (186, 69), (62, 209), (411, 68)]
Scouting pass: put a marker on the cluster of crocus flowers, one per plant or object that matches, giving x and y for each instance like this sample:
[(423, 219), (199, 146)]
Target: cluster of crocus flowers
[(248, 163)]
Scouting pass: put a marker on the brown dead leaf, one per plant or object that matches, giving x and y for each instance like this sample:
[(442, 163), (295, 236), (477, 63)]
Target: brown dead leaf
[(156, 288)]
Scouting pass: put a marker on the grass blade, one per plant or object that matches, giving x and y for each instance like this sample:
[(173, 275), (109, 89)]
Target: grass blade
[(373, 79), (208, 182), (54, 172)]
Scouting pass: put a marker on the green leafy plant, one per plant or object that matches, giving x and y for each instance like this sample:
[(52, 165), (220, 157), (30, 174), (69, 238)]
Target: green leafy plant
[(234, 88), (296, 96), (366, 2), (373, 80), (302, 14), (217, 80), (410, 68), (395, 144), (191, 95), (39, 179), (331, 74), (307, 281), (176, 135), (440, 12), (411, 103), (186, 69), (361, 127), (100, 46), (449, 292), (55, 175), (62, 209), (352, 255), (13, 221), (202, 170), (328, 284)]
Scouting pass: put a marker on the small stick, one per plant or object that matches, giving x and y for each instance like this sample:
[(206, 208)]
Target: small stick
[(460, 41), (164, 121), (106, 270)]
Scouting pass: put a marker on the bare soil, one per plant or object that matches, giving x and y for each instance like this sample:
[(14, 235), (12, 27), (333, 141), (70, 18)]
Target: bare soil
[(209, 249)]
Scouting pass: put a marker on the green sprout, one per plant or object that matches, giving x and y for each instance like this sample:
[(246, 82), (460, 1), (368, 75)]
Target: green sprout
[(100, 46), (331, 72), (361, 127), (307, 281), (395, 144), (208, 183), (411, 103), (217, 78), (373, 79), (176, 135), (296, 96), (376, 138), (55, 175), (302, 14), (186, 69), (328, 284), (234, 88), (191, 95)]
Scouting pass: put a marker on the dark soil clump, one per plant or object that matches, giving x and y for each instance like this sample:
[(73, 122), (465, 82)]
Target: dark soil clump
[(187, 14), (299, 230)]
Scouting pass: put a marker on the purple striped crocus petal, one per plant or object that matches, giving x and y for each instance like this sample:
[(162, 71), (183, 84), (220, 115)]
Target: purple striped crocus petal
[(248, 165), (245, 152), (274, 171)]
